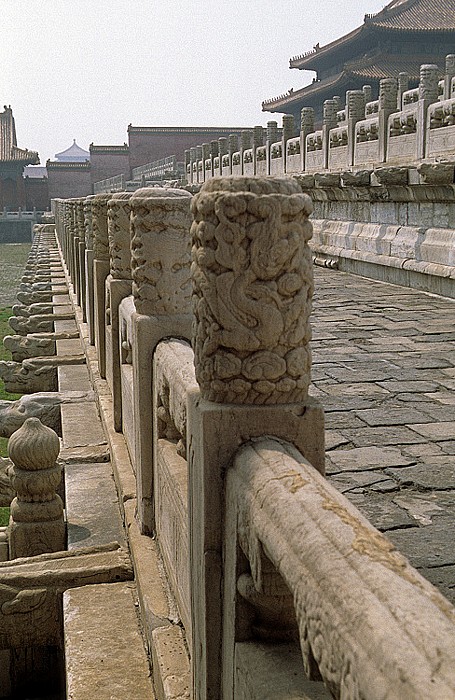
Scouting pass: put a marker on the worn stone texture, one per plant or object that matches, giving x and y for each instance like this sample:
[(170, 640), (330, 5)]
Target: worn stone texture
[(103, 659), (252, 289)]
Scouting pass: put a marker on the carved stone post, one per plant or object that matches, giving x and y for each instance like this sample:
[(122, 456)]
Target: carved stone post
[(306, 127), (200, 168), (37, 525), (448, 75), (403, 86), (428, 93), (233, 147), (160, 265), (193, 163), (206, 156), (252, 289), (215, 153), (329, 121), (224, 151), (118, 286), (355, 111), (271, 137), (388, 98), (288, 133), (100, 272), (246, 142), (89, 256), (80, 255), (368, 93)]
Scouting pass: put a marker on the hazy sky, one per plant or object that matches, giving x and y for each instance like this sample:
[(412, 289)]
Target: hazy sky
[(85, 69)]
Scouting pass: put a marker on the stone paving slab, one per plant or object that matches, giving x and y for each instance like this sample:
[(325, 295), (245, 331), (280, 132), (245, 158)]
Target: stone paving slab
[(384, 370)]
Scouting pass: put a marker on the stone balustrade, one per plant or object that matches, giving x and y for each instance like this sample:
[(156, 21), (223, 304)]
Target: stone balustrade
[(218, 449)]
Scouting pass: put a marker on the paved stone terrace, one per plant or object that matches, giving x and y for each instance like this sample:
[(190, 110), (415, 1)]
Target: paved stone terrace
[(384, 370)]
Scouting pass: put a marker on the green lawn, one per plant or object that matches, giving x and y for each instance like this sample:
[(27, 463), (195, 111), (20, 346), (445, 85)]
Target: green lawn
[(4, 517)]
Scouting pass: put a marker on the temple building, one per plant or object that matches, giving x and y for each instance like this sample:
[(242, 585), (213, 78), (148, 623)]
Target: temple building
[(13, 160), (398, 39), (73, 154)]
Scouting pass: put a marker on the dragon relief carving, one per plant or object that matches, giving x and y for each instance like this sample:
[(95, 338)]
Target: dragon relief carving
[(118, 223), (161, 254), (252, 279)]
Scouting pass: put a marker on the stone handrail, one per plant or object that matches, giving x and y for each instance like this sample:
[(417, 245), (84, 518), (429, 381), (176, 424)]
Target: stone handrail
[(368, 623)]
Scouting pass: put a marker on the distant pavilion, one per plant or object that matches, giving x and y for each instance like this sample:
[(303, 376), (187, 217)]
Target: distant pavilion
[(73, 154), (398, 39)]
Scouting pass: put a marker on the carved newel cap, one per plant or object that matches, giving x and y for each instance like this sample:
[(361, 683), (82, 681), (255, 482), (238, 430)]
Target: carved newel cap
[(161, 251), (34, 446), (252, 288)]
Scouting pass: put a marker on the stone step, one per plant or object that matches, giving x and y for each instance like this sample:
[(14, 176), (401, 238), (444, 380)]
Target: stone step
[(104, 649)]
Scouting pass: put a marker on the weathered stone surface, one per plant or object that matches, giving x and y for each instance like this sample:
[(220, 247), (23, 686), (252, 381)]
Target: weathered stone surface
[(267, 672), (81, 425), (28, 378), (436, 431), (7, 492), (364, 458), (104, 660), (30, 591), (427, 546), (45, 406), (37, 522), (160, 252), (438, 473), (92, 509), (253, 283), (23, 347)]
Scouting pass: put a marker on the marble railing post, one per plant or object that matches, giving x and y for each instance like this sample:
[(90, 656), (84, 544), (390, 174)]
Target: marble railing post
[(329, 121), (388, 99), (118, 286), (271, 137), (448, 75), (233, 147), (306, 127), (258, 140), (89, 292), (80, 254), (193, 159), (199, 159), (428, 93), (37, 525), (403, 86), (223, 150), (246, 142), (252, 290), (206, 156), (160, 266), (187, 160), (355, 111), (100, 272), (288, 133), (215, 153)]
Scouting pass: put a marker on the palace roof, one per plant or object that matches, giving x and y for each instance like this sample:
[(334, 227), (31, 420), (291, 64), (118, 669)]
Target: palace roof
[(414, 16), (9, 150)]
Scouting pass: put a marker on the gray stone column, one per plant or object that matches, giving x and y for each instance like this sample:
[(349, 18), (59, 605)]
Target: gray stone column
[(271, 137), (403, 86), (306, 127), (100, 272), (252, 288), (89, 256), (428, 93), (37, 525), (160, 265), (389, 95), (118, 286), (448, 75)]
